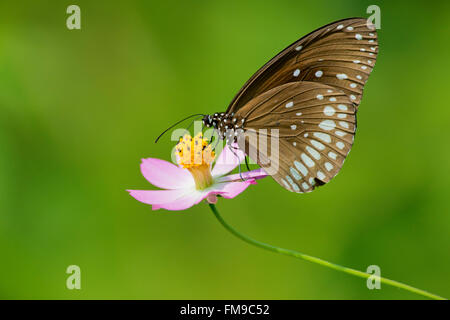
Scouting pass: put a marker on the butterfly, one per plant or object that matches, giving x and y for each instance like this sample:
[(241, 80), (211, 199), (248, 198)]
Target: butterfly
[(310, 93)]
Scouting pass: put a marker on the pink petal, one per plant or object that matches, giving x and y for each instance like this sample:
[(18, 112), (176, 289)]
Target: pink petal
[(182, 203), (157, 196), (232, 189), (253, 174), (227, 160), (165, 175)]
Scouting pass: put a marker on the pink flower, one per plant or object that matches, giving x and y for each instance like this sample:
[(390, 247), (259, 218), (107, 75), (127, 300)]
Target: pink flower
[(193, 180)]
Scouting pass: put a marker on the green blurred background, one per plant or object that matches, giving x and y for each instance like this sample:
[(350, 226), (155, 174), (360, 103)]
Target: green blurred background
[(80, 108)]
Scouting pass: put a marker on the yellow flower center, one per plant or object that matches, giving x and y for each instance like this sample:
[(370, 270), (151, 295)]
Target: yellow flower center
[(196, 155)]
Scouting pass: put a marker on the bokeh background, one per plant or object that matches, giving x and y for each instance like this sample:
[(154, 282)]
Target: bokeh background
[(80, 108)]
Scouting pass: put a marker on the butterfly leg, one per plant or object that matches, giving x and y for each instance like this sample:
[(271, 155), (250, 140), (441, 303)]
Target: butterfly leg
[(240, 171), (246, 163)]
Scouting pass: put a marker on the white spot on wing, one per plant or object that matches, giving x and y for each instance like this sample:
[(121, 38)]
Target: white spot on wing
[(295, 174), (327, 125), (329, 111), (289, 104), (319, 73), (320, 175), (286, 184), (343, 124), (296, 72), (317, 144), (293, 184), (323, 136), (307, 160), (341, 76), (301, 167), (313, 152), (340, 145)]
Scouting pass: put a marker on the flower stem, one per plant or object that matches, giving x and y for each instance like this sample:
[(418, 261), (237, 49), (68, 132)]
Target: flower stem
[(322, 262)]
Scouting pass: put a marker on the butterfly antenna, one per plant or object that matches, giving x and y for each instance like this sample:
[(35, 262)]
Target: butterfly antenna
[(192, 122), (178, 122)]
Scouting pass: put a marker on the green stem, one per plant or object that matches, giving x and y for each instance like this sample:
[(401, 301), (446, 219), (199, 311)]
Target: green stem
[(324, 263)]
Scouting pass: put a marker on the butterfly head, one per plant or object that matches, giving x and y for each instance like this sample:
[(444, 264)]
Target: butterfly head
[(213, 120), (228, 125)]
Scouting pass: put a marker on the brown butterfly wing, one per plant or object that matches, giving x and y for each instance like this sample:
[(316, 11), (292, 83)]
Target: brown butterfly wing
[(316, 124), (341, 54)]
